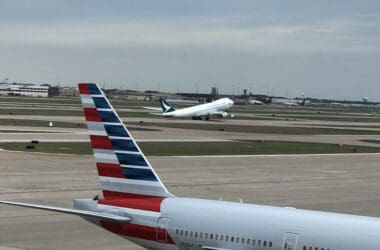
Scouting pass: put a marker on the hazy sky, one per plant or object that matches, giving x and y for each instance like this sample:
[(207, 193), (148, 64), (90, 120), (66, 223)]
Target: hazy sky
[(321, 48)]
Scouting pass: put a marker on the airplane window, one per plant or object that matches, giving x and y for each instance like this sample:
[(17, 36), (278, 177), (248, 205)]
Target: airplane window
[(216, 237), (232, 238), (270, 244), (206, 235), (310, 248), (221, 237), (196, 234), (226, 237), (259, 242), (176, 231), (248, 241), (242, 240), (316, 248), (237, 239), (286, 245), (253, 242), (191, 233), (265, 243), (186, 233), (211, 236), (200, 235), (181, 232)]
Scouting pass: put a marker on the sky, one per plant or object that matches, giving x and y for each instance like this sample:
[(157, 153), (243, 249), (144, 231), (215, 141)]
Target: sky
[(320, 48)]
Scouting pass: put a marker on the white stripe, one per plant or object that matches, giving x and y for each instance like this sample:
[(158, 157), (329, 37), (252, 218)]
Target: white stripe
[(120, 138), (107, 110), (95, 132), (105, 160), (134, 166), (127, 152), (113, 152), (111, 123), (95, 125), (122, 181), (134, 189), (130, 210), (87, 99)]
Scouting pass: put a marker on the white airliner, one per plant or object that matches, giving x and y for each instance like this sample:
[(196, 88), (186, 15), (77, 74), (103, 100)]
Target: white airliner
[(137, 206), (202, 111), (256, 102)]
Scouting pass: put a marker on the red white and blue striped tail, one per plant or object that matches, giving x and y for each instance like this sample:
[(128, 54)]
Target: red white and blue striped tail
[(123, 169)]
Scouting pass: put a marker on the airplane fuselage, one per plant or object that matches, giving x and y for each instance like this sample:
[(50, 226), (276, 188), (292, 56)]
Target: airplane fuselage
[(186, 223), (206, 109)]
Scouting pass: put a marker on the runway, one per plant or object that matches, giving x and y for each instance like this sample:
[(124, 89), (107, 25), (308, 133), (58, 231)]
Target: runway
[(335, 183)]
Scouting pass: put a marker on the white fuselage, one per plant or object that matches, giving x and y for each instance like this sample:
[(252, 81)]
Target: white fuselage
[(212, 108), (186, 223)]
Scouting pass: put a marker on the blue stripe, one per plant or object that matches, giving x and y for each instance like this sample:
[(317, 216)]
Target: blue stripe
[(116, 130), (139, 174), (101, 103), (131, 159), (93, 89), (108, 116), (120, 144)]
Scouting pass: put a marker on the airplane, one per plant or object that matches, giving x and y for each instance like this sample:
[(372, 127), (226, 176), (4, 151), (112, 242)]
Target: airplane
[(255, 102), (137, 206), (290, 102), (202, 111)]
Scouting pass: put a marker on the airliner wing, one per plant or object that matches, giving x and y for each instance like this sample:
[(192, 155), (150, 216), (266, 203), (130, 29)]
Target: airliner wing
[(83, 213), (153, 108)]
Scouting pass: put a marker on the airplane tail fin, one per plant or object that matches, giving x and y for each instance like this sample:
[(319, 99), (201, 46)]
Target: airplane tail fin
[(123, 168), (166, 106)]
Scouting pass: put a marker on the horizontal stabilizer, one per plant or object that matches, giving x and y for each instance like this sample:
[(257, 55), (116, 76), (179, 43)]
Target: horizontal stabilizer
[(82, 213)]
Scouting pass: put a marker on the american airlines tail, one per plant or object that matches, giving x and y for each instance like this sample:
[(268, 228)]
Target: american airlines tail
[(123, 169), (136, 205)]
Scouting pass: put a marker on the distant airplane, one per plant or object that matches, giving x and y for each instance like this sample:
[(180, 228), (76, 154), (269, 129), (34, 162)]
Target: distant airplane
[(137, 206), (201, 111), (255, 102), (291, 102)]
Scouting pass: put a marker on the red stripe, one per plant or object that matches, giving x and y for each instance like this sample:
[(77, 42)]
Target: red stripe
[(83, 89), (115, 194), (135, 201), (100, 142), (92, 115), (148, 204), (134, 230), (109, 170)]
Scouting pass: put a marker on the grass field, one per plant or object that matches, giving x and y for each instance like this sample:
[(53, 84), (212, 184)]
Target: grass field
[(200, 148), (57, 124), (263, 129), (39, 123), (64, 112)]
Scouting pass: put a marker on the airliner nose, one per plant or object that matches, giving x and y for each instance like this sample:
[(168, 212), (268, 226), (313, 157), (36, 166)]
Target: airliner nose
[(230, 102)]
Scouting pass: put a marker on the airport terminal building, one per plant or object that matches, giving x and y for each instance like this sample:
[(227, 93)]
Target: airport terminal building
[(18, 89)]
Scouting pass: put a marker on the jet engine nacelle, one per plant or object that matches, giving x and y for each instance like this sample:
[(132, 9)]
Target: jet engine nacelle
[(223, 114)]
